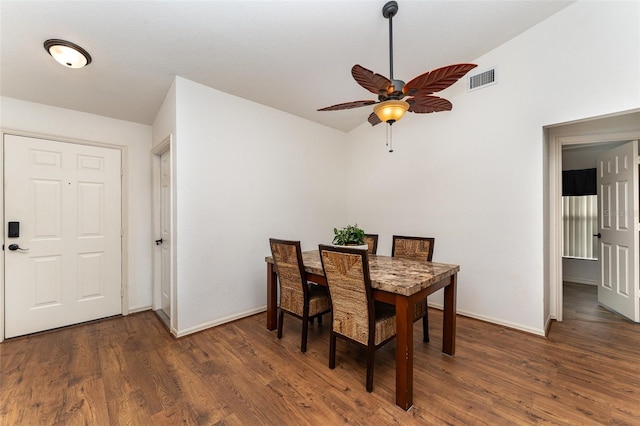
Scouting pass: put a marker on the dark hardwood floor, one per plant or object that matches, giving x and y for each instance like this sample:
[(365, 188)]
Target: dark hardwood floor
[(128, 370), (580, 302)]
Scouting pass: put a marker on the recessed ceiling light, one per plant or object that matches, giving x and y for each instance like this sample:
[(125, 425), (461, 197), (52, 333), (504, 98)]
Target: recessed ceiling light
[(68, 54)]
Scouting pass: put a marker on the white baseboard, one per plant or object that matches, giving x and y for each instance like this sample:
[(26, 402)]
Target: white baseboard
[(230, 318), (547, 325), (520, 327), (580, 280), (139, 309), (219, 321)]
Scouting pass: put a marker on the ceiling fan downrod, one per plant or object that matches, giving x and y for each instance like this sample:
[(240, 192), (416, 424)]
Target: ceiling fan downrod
[(389, 10)]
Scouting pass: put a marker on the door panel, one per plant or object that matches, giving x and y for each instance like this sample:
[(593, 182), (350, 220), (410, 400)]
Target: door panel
[(67, 198), (605, 265), (165, 227), (46, 280), (90, 275), (618, 196)]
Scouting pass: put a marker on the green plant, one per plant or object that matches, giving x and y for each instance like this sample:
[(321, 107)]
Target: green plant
[(349, 235)]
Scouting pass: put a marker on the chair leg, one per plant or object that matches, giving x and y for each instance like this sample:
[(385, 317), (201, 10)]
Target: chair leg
[(280, 318), (425, 326), (305, 332), (332, 350), (370, 360)]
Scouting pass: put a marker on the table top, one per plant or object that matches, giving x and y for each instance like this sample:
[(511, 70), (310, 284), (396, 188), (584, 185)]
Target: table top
[(391, 274)]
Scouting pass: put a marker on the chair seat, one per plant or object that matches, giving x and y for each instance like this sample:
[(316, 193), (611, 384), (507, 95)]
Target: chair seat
[(420, 309), (318, 299), (385, 322)]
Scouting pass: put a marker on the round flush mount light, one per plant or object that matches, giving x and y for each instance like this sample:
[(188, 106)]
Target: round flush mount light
[(68, 54)]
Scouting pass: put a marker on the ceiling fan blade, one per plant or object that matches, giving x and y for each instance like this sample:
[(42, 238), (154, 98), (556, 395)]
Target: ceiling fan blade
[(436, 80), (374, 119), (375, 83), (347, 105), (427, 104)]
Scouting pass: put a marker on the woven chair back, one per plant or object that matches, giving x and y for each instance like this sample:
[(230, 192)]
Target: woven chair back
[(347, 273), (415, 248), (287, 257), (372, 242)]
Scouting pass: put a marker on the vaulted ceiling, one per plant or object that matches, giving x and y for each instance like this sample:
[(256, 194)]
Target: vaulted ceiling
[(295, 56)]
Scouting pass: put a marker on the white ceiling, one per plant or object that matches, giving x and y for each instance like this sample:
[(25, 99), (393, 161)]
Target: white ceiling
[(295, 56)]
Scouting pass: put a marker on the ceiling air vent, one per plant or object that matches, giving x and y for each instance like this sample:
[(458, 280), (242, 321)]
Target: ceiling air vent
[(483, 79)]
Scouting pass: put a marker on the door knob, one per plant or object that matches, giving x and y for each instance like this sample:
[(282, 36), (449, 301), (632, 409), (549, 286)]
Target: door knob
[(599, 235), (14, 247), (158, 242)]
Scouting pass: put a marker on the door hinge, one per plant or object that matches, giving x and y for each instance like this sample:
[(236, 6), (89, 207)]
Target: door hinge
[(121, 171)]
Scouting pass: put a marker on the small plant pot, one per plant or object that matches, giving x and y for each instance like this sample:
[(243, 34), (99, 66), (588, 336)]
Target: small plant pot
[(359, 246)]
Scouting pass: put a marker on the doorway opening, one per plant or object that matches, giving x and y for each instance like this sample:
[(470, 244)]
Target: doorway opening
[(593, 134), (66, 201), (164, 291), (581, 237)]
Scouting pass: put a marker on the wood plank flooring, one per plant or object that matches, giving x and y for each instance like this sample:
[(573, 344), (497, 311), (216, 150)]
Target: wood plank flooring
[(128, 370), (581, 303)]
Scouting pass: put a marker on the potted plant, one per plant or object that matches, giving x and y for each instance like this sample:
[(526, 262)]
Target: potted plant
[(350, 235)]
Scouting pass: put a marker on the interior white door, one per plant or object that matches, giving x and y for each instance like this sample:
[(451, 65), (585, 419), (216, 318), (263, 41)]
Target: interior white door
[(619, 228), (66, 198), (165, 234)]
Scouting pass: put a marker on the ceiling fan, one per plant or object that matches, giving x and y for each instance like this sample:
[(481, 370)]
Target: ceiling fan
[(391, 106)]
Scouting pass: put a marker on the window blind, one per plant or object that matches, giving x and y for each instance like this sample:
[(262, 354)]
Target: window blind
[(579, 224)]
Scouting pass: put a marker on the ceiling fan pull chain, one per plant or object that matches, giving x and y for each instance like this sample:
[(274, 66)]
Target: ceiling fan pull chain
[(387, 138)]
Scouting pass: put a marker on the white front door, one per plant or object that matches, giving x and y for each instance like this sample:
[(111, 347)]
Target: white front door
[(165, 235), (66, 198), (619, 228)]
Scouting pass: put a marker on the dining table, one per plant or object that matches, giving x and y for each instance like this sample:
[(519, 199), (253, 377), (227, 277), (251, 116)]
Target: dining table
[(397, 281)]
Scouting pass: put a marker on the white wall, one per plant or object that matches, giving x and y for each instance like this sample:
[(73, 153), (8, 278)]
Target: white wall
[(245, 172), (164, 124), (584, 157), (474, 178), (581, 271), (44, 120)]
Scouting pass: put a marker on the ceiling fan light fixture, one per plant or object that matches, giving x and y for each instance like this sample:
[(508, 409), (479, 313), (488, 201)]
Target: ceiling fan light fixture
[(390, 106), (390, 111), (68, 54)]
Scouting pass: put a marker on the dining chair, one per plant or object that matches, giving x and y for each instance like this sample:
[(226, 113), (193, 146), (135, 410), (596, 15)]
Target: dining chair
[(416, 248), (297, 297), (372, 242), (356, 316)]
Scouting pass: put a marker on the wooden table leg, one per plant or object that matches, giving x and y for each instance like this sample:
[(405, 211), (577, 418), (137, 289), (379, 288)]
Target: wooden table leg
[(449, 318), (404, 352), (272, 295)]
